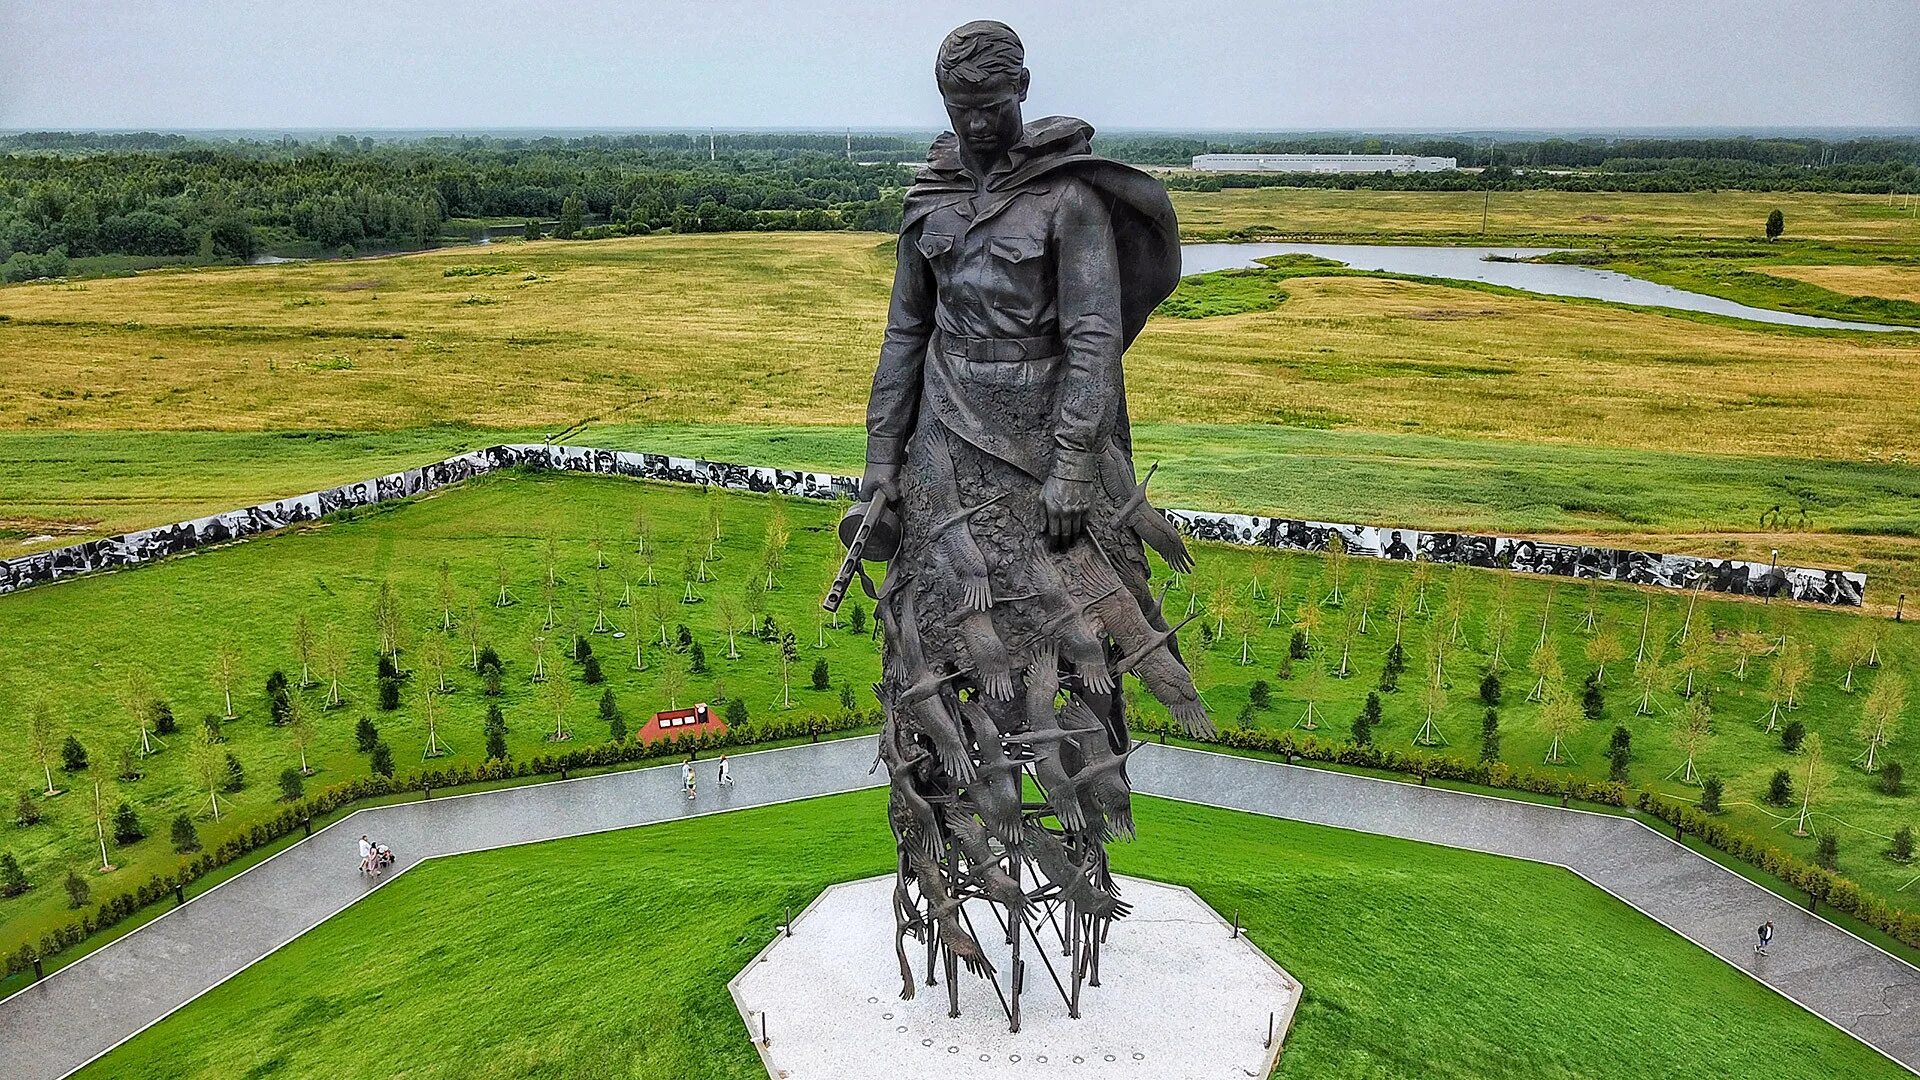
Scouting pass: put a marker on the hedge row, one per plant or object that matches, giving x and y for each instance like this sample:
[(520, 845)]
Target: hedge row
[(112, 910), (1823, 885)]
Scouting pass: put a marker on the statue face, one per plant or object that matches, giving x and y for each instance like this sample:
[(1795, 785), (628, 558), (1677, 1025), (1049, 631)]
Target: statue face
[(986, 119)]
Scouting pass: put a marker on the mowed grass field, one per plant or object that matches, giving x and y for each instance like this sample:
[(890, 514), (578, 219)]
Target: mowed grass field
[(608, 956), (73, 646), (1850, 220)]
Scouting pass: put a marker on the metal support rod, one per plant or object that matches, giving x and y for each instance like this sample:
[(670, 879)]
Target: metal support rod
[(1236, 924)]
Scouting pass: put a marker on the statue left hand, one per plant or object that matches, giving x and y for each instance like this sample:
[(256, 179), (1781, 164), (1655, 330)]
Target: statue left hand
[(1065, 503)]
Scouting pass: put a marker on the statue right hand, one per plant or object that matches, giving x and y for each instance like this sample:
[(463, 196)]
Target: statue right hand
[(878, 479)]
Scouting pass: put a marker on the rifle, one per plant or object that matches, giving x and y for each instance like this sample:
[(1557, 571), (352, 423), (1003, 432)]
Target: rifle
[(875, 508)]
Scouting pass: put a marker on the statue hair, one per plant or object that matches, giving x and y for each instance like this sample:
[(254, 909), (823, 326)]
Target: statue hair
[(981, 53)]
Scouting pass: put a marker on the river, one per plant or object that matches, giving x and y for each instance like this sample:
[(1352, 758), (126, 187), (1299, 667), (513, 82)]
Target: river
[(1482, 264)]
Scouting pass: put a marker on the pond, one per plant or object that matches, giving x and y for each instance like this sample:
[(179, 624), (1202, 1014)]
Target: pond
[(1483, 264)]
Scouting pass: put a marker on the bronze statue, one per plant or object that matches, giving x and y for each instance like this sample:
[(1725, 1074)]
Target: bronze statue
[(1000, 492)]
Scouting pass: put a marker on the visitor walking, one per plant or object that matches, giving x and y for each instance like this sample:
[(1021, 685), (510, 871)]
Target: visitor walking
[(1766, 938), (686, 777), (725, 779), (366, 855)]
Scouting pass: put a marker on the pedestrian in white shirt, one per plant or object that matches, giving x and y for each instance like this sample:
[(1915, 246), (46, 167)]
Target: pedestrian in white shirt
[(725, 779), (366, 855), (686, 777)]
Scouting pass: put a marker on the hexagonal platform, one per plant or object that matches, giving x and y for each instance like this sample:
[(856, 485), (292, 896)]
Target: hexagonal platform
[(1181, 998)]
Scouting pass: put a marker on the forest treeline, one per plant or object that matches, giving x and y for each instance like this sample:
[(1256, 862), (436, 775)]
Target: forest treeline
[(169, 197)]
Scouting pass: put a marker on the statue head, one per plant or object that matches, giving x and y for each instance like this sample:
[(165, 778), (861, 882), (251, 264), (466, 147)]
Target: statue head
[(982, 74)]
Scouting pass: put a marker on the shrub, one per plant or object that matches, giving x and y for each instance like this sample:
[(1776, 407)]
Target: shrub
[(1619, 753), (685, 636), (1248, 715), (1285, 670), (497, 743), (1490, 736), (78, 891), (382, 760), (1395, 665), (1892, 779), (212, 723), (610, 715), (1260, 694), (1593, 700), (857, 622), (279, 700), (73, 756), (365, 735), (162, 716), (236, 776), (13, 880), (389, 694), (737, 713), (697, 664), (590, 671), (582, 648), (490, 682), (847, 701), (27, 810), (1902, 849), (1368, 719), (126, 825), (1780, 788), (1792, 736), (292, 784), (1826, 853), (1490, 688), (1710, 791), (821, 680), (1298, 647), (490, 661), (388, 670), (185, 836)]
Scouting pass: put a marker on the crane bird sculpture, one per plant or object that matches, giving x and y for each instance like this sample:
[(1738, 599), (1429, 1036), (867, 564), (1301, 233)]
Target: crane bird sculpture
[(1000, 493)]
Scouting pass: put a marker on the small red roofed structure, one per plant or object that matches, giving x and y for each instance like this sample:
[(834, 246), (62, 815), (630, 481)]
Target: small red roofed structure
[(682, 723)]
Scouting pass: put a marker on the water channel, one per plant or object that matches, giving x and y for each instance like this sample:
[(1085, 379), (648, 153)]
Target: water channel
[(1486, 264)]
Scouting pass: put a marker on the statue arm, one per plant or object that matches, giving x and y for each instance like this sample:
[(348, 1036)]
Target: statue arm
[(895, 399), (1089, 308)]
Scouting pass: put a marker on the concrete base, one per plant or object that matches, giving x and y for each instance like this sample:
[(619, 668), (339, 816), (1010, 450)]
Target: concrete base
[(1180, 998)]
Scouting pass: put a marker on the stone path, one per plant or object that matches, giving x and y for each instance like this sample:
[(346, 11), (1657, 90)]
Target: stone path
[(81, 1011)]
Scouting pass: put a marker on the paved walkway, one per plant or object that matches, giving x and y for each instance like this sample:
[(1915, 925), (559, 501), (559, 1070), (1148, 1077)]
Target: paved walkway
[(85, 1009)]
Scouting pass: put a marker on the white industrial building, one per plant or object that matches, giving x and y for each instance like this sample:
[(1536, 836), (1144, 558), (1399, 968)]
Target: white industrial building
[(1322, 163)]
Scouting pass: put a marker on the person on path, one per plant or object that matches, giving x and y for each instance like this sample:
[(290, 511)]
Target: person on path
[(1766, 938), (725, 778), (686, 777), (366, 855)]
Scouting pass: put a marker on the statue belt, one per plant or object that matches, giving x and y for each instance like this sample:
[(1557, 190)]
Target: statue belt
[(1012, 350)]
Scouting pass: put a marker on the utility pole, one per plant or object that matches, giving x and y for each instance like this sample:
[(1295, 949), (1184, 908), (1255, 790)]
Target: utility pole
[(711, 155)]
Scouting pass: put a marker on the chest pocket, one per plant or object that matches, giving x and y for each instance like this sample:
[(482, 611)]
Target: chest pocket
[(1017, 249), (934, 245)]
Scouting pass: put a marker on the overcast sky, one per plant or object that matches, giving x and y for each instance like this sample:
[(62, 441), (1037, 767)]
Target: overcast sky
[(1241, 64)]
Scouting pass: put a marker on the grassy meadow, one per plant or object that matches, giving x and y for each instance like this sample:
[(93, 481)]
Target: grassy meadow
[(1866, 221), (608, 956), (76, 645)]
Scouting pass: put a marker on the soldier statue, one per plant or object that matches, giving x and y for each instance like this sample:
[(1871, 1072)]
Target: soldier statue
[(1000, 492)]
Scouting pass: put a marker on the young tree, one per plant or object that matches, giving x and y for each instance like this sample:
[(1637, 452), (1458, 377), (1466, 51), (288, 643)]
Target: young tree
[(292, 784), (236, 774), (1546, 668), (559, 693), (1402, 605), (381, 760), (729, 611), (1305, 622), (1880, 717), (1646, 626), (333, 660), (1280, 587), (610, 716), (1776, 224), (445, 589), (496, 732), (1696, 730), (572, 210), (1603, 648), (1336, 570), (822, 680), (1365, 593), (716, 522), (209, 767), (1590, 618), (1453, 607), (1796, 663), (658, 601), (692, 569), (1490, 736), (789, 655), (43, 741), (226, 672), (1649, 675), (1433, 702), (1421, 579), (636, 631), (1499, 622), (470, 629), (1349, 623), (549, 592), (386, 620), (600, 624), (1711, 790), (1814, 777), (774, 556), (78, 891), (1619, 754), (1560, 715), (303, 647), (1368, 719), (1748, 643), (673, 679), (1855, 646), (433, 657), (1779, 788), (73, 755), (102, 792), (1696, 659), (430, 707), (540, 649), (300, 730), (503, 578), (1313, 689)]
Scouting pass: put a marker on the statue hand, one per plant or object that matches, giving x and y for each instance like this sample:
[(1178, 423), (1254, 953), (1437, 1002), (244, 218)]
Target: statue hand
[(1066, 503), (881, 478)]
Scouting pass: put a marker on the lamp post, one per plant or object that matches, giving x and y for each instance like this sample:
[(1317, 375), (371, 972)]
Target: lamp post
[(1773, 560)]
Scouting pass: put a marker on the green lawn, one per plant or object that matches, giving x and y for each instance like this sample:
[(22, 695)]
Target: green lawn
[(74, 644), (608, 956)]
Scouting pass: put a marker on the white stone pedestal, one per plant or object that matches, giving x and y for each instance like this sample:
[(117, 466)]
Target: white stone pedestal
[(1180, 998)]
